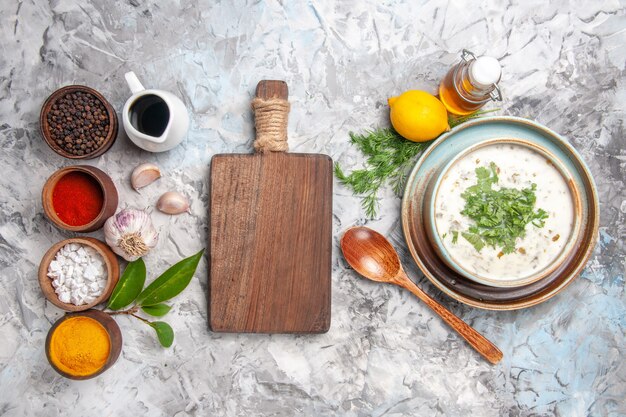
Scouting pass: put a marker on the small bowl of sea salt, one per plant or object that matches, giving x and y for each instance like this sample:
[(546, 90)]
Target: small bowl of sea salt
[(79, 273)]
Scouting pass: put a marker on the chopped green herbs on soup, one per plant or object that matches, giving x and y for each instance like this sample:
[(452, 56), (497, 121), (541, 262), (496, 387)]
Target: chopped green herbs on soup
[(500, 215)]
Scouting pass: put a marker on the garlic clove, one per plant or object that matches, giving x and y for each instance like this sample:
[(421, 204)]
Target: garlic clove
[(144, 174), (173, 202)]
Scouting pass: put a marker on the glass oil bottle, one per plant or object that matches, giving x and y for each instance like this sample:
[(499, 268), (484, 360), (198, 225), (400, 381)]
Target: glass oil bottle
[(470, 84)]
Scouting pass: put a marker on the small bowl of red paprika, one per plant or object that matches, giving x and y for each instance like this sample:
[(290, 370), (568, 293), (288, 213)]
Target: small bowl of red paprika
[(79, 198)]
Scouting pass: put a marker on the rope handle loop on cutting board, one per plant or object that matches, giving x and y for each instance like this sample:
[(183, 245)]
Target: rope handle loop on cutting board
[(270, 119), (271, 113)]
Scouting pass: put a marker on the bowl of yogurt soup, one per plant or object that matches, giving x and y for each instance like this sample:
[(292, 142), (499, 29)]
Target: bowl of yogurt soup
[(503, 213), (513, 154)]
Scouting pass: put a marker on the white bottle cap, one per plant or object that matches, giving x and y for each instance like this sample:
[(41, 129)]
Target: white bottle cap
[(485, 71)]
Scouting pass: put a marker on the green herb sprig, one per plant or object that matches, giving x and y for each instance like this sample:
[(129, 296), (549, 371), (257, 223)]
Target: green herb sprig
[(388, 159), (500, 216), (152, 299)]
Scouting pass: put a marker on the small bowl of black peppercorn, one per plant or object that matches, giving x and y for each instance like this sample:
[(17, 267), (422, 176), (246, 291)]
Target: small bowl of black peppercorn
[(77, 122)]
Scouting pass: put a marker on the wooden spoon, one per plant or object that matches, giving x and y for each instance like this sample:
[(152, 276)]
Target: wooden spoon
[(372, 256)]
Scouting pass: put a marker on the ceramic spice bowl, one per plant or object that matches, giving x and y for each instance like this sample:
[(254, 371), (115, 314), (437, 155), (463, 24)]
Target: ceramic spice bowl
[(77, 205), (77, 122), (110, 337), (110, 261)]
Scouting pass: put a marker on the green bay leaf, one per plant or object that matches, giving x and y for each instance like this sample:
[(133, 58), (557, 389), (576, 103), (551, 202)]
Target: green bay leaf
[(129, 286), (164, 332), (157, 310), (171, 283)]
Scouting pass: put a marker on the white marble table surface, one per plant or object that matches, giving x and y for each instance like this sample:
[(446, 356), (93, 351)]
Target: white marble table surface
[(385, 353)]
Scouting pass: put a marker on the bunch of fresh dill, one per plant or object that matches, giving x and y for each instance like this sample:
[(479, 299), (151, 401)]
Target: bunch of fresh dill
[(388, 159), (388, 156)]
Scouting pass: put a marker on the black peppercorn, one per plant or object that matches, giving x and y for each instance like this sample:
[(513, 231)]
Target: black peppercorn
[(78, 123)]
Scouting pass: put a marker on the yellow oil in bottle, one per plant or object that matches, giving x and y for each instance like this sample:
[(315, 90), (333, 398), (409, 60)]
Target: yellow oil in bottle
[(470, 84), (451, 97)]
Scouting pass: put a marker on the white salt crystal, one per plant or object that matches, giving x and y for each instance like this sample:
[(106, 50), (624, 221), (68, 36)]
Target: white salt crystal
[(90, 272)]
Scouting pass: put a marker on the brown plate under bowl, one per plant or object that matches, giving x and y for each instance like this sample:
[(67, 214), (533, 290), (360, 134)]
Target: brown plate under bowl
[(455, 284), (109, 193), (44, 126), (110, 260), (111, 327)]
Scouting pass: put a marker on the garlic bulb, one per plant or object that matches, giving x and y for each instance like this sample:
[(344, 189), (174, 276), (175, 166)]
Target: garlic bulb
[(144, 174), (173, 202), (130, 234)]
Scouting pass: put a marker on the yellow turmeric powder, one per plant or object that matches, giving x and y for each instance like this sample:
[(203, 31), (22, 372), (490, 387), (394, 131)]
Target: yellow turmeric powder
[(80, 346)]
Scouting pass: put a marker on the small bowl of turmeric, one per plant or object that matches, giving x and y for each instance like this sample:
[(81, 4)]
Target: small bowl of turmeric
[(83, 345)]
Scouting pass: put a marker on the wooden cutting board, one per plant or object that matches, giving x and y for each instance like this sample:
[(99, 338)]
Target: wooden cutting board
[(270, 239)]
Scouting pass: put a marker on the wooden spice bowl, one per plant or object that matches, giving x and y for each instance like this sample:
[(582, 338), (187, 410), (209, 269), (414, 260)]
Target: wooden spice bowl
[(112, 329), (44, 126), (109, 193), (110, 260)]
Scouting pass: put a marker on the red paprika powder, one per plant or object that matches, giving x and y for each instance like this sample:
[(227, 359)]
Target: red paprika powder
[(77, 198)]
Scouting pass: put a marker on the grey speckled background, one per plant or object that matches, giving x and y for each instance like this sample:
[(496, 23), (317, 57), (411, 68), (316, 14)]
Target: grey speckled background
[(385, 353)]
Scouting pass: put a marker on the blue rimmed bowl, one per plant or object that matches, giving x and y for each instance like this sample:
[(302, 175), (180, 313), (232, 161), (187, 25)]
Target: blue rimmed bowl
[(435, 195), (426, 247)]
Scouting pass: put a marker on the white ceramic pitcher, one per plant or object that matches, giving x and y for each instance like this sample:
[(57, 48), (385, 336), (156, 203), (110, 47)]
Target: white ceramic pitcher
[(163, 122)]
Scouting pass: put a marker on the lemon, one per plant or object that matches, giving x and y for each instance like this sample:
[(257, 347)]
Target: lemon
[(418, 116)]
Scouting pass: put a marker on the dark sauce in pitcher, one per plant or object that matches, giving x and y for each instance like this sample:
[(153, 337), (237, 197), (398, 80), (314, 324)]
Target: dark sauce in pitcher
[(150, 115)]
